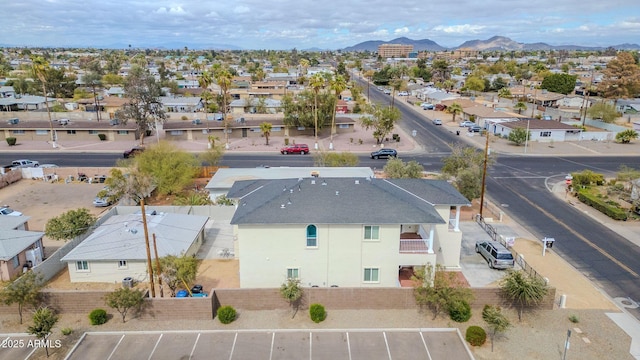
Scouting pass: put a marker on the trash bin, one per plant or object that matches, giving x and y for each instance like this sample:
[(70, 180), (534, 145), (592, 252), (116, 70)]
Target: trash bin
[(182, 293), (127, 282)]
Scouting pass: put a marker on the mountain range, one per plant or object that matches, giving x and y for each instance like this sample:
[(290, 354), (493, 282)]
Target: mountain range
[(500, 43)]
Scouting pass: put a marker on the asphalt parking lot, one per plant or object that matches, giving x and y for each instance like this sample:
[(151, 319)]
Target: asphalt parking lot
[(365, 344)]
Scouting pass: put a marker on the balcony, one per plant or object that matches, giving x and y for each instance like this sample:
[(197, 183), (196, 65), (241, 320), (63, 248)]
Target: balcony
[(412, 243)]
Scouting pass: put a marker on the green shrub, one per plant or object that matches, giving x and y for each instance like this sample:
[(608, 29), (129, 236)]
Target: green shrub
[(98, 317), (317, 313), (460, 311), (66, 331), (612, 211), (184, 117), (475, 335), (102, 137), (574, 319), (11, 141), (226, 314), (286, 141)]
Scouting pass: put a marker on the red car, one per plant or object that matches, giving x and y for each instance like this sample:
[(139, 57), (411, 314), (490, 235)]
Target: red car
[(295, 149)]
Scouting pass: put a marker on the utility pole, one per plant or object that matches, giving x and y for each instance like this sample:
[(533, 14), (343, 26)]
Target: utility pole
[(158, 270), (146, 240), (484, 171)]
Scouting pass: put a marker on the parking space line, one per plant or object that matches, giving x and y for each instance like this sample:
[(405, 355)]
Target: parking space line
[(386, 343), (310, 345), (194, 346), (348, 345), (116, 347), (233, 347), (155, 346), (273, 339), (31, 353), (424, 342)]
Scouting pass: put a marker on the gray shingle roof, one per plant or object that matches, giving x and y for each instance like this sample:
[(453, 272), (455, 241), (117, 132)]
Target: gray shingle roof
[(121, 237), (342, 201), (12, 242)]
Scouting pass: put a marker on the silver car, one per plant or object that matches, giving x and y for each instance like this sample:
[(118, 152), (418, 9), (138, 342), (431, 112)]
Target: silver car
[(497, 256)]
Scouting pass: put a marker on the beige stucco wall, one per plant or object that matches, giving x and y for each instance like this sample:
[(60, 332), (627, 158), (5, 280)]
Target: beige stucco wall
[(339, 259), (447, 241), (108, 271)]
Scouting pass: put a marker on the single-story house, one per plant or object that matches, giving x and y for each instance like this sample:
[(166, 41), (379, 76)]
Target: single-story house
[(7, 91), (347, 232), (116, 249), (36, 130), (541, 130), (20, 248), (243, 127), (181, 104), (26, 102), (251, 105), (224, 178), (482, 115)]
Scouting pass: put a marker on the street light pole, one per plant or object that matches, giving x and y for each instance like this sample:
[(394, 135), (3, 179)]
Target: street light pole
[(526, 139), (484, 171)]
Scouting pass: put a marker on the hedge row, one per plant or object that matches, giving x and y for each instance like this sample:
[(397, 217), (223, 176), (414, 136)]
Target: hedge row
[(595, 202)]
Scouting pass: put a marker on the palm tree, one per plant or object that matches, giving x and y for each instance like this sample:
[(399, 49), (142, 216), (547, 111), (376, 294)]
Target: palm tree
[(265, 127), (520, 105), (40, 68), (338, 85), (454, 109), (205, 80), (523, 290), (317, 83), (223, 78)]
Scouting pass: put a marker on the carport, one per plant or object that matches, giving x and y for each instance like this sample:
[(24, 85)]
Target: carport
[(352, 344)]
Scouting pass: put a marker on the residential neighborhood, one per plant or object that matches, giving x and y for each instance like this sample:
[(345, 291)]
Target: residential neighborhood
[(354, 231)]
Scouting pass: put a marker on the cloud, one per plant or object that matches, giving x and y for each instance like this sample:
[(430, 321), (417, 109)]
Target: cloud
[(401, 31), (460, 29)]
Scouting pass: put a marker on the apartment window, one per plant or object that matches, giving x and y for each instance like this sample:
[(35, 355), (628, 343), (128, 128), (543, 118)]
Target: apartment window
[(371, 275), (82, 265), (16, 261), (276, 129), (312, 236), (301, 128), (123, 132), (71, 132), (93, 132), (256, 130), (17, 132), (42, 132), (293, 273), (372, 232), (343, 126), (176, 132), (545, 133), (122, 264)]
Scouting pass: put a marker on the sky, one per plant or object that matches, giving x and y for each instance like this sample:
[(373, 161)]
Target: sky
[(306, 24)]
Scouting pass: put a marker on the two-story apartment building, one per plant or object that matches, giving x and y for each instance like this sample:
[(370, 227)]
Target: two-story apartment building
[(347, 232)]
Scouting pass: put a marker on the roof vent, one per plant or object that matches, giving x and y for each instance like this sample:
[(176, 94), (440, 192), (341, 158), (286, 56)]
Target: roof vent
[(133, 231), (313, 182), (282, 206), (324, 183), (337, 193), (357, 182), (291, 191)]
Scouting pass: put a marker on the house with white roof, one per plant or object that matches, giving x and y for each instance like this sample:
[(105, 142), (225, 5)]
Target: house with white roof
[(19, 248), (346, 232), (117, 250), (224, 178)]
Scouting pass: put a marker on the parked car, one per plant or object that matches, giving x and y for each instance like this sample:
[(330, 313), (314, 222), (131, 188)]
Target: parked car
[(403, 93), (133, 152), (475, 128), (9, 212), (497, 256), (427, 106), (295, 149), (436, 122), (384, 153), (467, 123), (101, 202), (387, 91)]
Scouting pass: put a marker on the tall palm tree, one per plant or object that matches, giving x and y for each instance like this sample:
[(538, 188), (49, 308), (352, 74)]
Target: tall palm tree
[(40, 68), (266, 127), (316, 82), (205, 80), (338, 84), (223, 78)]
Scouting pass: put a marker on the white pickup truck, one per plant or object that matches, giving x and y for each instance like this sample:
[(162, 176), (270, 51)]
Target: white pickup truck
[(16, 164)]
